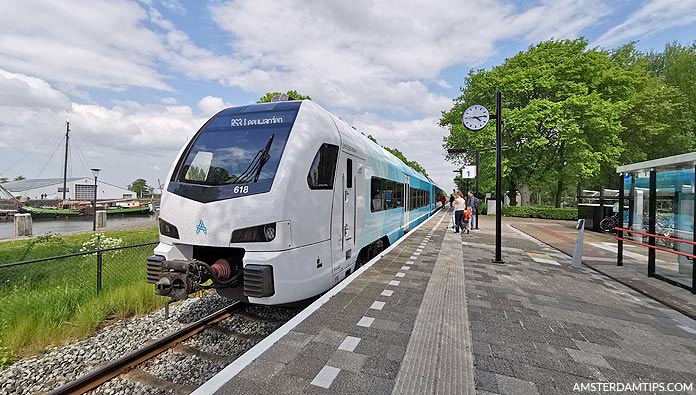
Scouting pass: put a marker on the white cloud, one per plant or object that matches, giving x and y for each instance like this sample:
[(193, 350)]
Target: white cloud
[(18, 90), (419, 140), (125, 140), (653, 17), (101, 43), (360, 55), (375, 55), (442, 84), (210, 105), (169, 100), (174, 6)]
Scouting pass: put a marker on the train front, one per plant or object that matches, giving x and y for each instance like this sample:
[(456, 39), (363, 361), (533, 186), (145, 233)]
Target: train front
[(217, 206)]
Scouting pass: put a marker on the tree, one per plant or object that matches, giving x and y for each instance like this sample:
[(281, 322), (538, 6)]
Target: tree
[(4, 180), (293, 95), (139, 186), (563, 107), (19, 178)]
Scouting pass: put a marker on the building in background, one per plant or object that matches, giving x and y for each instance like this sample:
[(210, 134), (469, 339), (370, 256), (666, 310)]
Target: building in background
[(77, 189)]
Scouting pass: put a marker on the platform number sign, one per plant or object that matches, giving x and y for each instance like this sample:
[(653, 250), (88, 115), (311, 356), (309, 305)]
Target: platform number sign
[(468, 171)]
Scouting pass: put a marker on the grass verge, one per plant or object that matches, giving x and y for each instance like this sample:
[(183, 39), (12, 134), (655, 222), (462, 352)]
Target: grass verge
[(48, 303)]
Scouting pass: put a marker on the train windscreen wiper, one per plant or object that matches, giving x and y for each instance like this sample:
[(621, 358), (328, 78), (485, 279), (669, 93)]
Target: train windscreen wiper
[(264, 158), (256, 165)]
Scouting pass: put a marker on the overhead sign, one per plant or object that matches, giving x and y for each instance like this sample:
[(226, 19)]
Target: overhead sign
[(468, 171)]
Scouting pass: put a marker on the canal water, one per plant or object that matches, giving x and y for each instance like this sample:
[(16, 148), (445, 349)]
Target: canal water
[(64, 226)]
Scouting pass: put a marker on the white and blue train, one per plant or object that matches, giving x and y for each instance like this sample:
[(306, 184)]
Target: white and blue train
[(275, 203)]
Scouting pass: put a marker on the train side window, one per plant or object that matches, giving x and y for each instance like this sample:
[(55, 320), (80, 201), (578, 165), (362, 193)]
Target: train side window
[(397, 199), (349, 178), (376, 198), (321, 174), (388, 194)]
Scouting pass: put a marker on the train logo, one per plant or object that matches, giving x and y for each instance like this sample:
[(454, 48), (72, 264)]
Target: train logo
[(201, 228)]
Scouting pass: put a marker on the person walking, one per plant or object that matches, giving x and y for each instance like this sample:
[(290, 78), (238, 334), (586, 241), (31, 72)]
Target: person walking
[(459, 207), (451, 199), (472, 201), (443, 199)]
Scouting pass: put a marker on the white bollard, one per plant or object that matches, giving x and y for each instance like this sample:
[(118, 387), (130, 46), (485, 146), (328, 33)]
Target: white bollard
[(577, 254), (22, 225), (101, 219)]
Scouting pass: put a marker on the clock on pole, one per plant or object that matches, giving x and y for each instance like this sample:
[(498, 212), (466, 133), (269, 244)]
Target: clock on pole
[(476, 117)]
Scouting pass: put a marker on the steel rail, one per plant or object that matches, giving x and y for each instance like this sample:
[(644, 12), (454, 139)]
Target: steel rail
[(655, 247), (107, 372), (657, 236)]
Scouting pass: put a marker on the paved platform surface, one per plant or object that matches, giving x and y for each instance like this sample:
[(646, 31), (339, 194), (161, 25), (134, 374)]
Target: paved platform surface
[(434, 315), (600, 254)]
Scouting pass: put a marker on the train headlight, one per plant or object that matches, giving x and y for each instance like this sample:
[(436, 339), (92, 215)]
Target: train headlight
[(269, 232), (254, 234), (168, 229)]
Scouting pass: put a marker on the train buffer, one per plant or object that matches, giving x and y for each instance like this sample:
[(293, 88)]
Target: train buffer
[(434, 315)]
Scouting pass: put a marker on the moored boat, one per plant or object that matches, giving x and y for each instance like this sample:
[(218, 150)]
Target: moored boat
[(7, 215), (132, 207), (50, 212)]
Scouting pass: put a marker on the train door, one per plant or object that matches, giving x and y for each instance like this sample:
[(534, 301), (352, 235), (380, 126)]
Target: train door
[(407, 202), (345, 215), (349, 207)]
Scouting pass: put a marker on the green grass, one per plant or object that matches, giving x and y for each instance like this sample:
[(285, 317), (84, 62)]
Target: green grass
[(54, 245), (49, 303)]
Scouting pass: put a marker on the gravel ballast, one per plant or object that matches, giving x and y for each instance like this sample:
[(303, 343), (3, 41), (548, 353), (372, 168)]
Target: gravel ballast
[(60, 365)]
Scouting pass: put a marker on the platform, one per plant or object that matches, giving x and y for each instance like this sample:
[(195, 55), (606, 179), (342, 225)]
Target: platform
[(434, 315)]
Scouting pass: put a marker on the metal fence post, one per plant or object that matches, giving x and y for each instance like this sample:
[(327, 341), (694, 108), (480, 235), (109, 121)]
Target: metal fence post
[(619, 253), (693, 236), (577, 253), (99, 264), (652, 218)]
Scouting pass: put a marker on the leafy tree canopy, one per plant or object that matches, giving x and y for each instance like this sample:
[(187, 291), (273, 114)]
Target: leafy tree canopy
[(292, 94), (139, 186), (571, 115), (19, 178)]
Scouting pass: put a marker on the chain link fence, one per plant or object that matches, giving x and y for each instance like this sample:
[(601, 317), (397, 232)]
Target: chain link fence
[(43, 301), (88, 271)]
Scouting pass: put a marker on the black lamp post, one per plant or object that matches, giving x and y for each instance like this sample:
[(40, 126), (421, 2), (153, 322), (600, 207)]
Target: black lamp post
[(94, 201), (475, 118)]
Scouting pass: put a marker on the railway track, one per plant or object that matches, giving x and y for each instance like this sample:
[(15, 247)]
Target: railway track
[(156, 355), (105, 373)]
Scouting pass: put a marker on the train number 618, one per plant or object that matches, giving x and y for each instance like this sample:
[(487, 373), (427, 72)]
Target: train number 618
[(241, 189)]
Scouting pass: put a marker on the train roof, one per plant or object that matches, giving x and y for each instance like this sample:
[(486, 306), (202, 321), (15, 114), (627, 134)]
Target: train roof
[(296, 104)]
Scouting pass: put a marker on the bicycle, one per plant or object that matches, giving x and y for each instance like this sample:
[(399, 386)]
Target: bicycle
[(609, 223)]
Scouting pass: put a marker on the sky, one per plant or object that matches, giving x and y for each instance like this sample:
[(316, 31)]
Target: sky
[(137, 78)]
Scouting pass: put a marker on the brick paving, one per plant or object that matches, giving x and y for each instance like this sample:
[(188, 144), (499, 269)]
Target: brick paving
[(435, 311), (599, 253), (542, 328)]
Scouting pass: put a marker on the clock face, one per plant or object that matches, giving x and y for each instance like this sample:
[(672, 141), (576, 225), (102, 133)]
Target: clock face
[(475, 117)]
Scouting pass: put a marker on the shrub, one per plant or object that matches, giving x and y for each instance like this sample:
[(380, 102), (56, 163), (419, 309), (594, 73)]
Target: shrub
[(570, 214)]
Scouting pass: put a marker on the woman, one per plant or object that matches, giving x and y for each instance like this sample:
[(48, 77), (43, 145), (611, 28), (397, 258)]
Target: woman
[(459, 207)]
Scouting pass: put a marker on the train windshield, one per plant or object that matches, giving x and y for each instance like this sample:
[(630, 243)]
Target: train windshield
[(235, 154)]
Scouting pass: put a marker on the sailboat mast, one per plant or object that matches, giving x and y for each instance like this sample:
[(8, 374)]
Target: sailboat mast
[(65, 167)]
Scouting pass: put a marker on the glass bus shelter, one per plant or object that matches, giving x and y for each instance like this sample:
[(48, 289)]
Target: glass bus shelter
[(661, 205)]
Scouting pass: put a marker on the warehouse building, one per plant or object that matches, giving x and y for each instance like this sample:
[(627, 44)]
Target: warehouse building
[(77, 189)]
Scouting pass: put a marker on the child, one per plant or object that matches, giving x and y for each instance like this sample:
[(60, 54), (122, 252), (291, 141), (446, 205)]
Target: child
[(466, 219)]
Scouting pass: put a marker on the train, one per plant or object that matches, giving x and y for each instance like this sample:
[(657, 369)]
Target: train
[(275, 203)]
